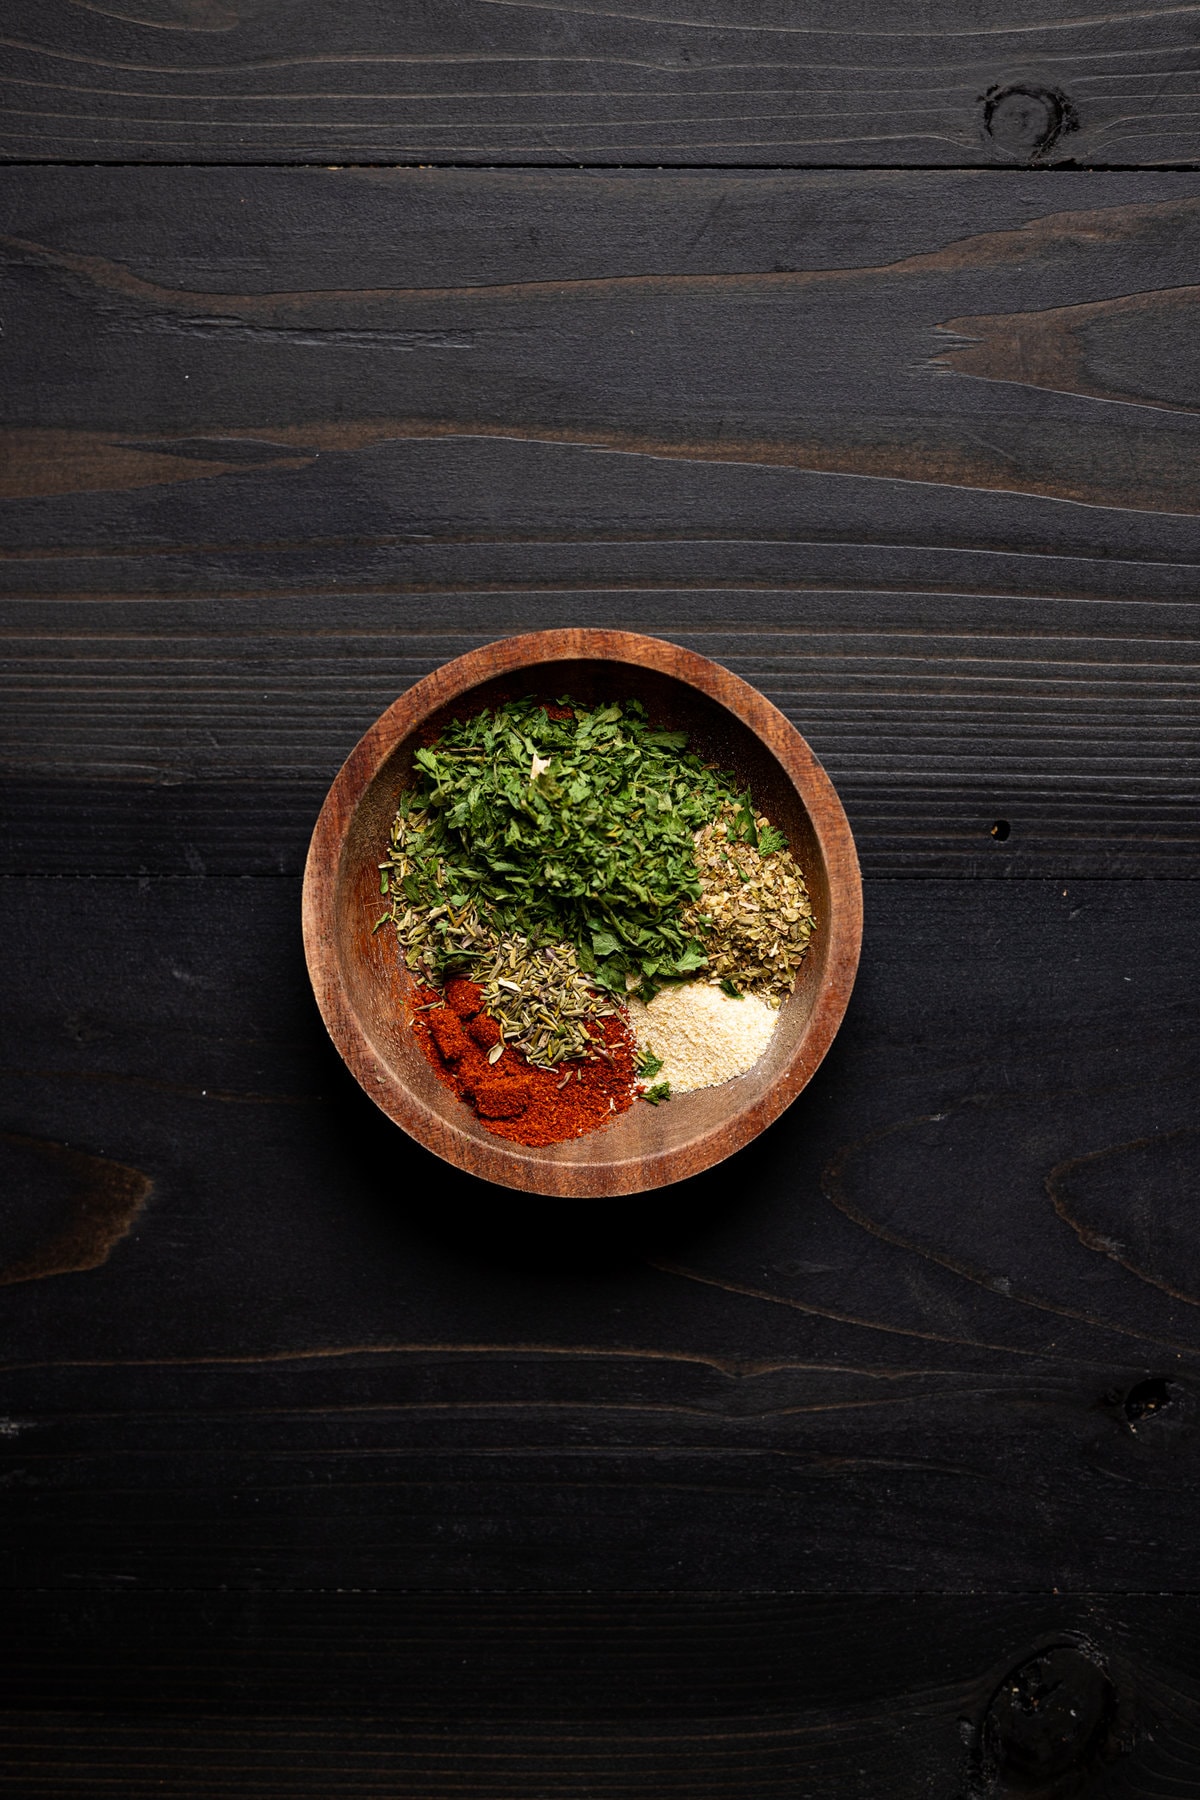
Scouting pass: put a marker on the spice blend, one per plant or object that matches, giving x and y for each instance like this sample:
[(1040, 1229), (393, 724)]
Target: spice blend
[(513, 1097), (549, 872)]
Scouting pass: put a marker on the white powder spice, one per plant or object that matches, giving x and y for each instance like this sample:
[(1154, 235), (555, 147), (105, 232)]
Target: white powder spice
[(701, 1036)]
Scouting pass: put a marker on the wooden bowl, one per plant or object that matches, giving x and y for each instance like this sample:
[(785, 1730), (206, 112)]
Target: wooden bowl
[(361, 984)]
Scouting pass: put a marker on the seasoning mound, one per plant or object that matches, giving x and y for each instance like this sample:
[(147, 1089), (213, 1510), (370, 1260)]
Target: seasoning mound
[(699, 1035), (516, 1099), (586, 905), (754, 916), (568, 825)]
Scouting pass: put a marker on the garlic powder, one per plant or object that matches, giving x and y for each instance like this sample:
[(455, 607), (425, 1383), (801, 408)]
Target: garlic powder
[(701, 1036)]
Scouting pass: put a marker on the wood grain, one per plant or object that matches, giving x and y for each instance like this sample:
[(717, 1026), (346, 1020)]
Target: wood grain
[(138, 738), (913, 453), (580, 81), (936, 495), (901, 1342), (81, 1207), (578, 1695), (802, 358)]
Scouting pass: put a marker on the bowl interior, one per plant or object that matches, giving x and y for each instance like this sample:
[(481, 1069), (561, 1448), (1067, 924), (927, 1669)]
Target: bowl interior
[(375, 983)]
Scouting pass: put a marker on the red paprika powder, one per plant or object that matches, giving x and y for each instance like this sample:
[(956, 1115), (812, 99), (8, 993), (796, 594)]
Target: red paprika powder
[(510, 1096), (463, 997)]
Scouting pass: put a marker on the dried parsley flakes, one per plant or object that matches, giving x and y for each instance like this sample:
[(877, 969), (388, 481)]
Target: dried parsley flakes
[(576, 829)]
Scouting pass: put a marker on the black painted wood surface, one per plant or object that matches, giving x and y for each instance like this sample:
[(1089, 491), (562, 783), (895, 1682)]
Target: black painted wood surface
[(864, 1466), (917, 454), (256, 1337), (589, 81), (581, 1695)]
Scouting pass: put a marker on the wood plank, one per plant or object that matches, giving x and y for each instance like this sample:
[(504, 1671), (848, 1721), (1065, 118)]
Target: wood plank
[(535, 81), (914, 1337), (913, 453), (140, 738), (578, 1695)]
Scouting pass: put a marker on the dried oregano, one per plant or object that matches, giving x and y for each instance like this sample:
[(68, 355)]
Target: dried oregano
[(753, 915)]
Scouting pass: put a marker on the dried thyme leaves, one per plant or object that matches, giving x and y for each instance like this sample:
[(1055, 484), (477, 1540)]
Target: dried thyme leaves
[(753, 915), (436, 935), (541, 1000), (538, 995)]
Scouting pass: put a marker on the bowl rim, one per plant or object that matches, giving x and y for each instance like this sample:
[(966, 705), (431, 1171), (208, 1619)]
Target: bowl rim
[(502, 1161)]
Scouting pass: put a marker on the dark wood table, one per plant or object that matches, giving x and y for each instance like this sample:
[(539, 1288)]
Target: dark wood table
[(858, 353)]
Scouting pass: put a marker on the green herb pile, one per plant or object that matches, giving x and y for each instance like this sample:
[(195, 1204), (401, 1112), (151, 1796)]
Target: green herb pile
[(576, 829)]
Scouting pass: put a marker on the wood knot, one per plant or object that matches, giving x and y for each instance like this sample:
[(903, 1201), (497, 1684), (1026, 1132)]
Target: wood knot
[(1051, 1722), (1149, 1398), (1026, 120), (66, 1210)]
